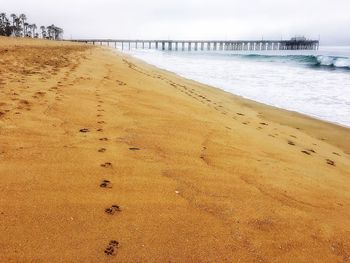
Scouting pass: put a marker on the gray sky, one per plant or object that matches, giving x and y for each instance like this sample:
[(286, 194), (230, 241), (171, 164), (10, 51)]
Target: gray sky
[(191, 19)]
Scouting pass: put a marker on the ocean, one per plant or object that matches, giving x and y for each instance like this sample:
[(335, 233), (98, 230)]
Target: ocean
[(315, 83)]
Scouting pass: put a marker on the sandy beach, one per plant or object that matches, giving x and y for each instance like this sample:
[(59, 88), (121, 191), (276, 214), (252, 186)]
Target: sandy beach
[(104, 158)]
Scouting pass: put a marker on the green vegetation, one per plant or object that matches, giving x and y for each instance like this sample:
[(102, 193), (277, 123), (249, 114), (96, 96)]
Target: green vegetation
[(18, 26)]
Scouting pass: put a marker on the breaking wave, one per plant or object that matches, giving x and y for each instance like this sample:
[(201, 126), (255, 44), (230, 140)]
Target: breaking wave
[(338, 62), (330, 62)]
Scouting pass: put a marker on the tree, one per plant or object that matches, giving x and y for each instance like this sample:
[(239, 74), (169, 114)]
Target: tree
[(26, 26), (23, 18), (34, 27), (5, 26), (54, 32), (13, 16), (58, 33), (43, 32), (20, 27), (3, 20), (17, 27), (49, 30)]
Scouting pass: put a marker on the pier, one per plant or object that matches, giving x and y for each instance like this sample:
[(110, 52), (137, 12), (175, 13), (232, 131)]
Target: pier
[(208, 45)]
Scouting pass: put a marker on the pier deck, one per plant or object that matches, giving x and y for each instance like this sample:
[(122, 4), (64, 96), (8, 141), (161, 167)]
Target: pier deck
[(215, 45)]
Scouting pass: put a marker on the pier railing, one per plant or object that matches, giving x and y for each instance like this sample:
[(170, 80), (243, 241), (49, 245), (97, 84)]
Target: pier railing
[(189, 45)]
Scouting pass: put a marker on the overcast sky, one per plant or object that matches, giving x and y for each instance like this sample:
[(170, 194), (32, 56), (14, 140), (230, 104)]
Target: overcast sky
[(191, 19)]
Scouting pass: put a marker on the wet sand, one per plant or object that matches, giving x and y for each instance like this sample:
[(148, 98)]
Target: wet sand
[(104, 158)]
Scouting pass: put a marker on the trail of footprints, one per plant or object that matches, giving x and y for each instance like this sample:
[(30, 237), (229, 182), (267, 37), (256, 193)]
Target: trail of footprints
[(113, 245), (113, 209), (21, 98), (203, 99)]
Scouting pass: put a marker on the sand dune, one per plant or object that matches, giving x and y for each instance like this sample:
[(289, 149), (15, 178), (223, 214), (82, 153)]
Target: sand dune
[(105, 158)]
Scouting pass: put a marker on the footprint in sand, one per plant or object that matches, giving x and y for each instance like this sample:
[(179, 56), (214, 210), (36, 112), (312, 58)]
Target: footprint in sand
[(106, 165), (106, 184), (134, 149), (111, 248), (120, 83), (101, 122), (306, 152), (263, 123), (291, 143), (336, 153), (84, 130), (113, 209), (100, 130), (330, 162), (102, 150), (103, 139), (240, 114)]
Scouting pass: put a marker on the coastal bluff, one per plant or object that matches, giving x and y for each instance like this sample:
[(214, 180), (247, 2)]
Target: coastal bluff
[(104, 158)]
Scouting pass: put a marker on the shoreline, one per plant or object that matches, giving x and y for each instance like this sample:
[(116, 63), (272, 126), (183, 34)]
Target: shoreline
[(256, 104), (227, 87), (103, 152)]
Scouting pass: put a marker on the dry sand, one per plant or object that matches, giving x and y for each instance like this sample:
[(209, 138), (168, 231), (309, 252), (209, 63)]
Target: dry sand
[(199, 175)]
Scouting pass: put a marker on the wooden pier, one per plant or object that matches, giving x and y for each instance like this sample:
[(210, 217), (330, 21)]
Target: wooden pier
[(196, 45)]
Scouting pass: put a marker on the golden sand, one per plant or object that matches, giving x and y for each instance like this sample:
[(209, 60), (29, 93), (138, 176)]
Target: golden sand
[(198, 175)]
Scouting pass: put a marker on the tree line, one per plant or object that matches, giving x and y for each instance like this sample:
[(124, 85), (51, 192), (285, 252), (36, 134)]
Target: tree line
[(18, 26)]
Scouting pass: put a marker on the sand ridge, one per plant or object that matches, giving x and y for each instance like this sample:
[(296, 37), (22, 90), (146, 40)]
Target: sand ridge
[(105, 158)]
